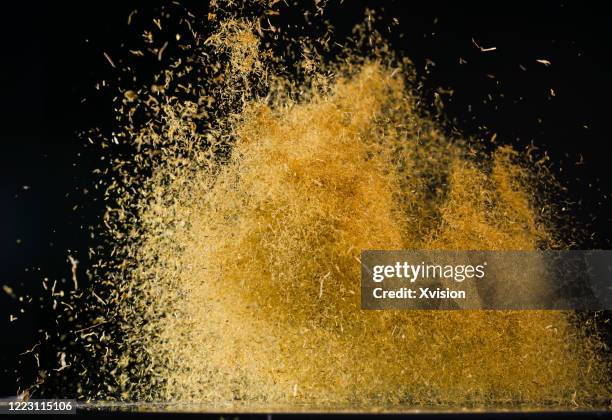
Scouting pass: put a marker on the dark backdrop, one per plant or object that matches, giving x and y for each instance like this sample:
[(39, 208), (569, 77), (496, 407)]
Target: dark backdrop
[(52, 58)]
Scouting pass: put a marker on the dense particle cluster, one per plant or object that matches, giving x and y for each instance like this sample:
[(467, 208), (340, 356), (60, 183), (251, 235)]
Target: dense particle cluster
[(235, 222)]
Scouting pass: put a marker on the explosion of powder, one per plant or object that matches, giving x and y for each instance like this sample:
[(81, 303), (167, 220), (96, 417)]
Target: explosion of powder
[(237, 224)]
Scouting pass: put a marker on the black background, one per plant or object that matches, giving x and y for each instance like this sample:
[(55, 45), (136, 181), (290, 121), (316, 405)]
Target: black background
[(52, 58)]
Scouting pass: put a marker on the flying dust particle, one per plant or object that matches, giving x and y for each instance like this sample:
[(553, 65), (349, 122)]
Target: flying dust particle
[(483, 49)]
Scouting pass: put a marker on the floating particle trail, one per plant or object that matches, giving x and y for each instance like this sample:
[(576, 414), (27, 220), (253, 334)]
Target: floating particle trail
[(131, 16), (110, 60), (9, 291), (73, 270), (62, 362), (161, 51), (483, 49)]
